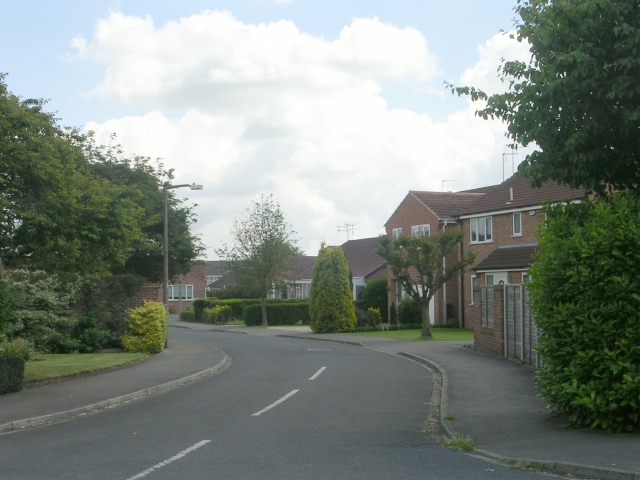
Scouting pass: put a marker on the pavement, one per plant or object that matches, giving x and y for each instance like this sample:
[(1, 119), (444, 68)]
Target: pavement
[(488, 400)]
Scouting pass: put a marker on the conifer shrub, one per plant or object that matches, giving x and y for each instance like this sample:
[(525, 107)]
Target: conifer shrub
[(147, 329), (585, 295), (409, 312), (331, 305)]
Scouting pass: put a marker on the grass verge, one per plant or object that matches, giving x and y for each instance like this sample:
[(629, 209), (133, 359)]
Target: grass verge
[(439, 334), (52, 366)]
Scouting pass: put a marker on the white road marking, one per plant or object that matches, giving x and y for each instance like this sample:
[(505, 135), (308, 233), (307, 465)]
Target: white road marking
[(290, 394), (319, 350), (172, 459), (317, 374)]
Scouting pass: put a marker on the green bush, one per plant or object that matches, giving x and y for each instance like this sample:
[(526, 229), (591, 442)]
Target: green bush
[(409, 312), (218, 314), (375, 295), (19, 347), (331, 306), (585, 295), (294, 313), (147, 329), (187, 315), (375, 319), (11, 373)]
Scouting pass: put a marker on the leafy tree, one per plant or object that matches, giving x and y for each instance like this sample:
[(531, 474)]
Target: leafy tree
[(585, 296), (375, 295), (331, 304), (418, 264), (54, 214), (264, 248), (144, 182), (579, 98)]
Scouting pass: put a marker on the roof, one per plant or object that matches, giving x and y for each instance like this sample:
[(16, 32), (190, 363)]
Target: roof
[(216, 267), (302, 268), (509, 257), (362, 257), (444, 205), (226, 281), (499, 197)]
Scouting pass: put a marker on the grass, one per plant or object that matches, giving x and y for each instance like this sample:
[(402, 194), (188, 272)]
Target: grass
[(52, 366), (460, 443), (439, 334)]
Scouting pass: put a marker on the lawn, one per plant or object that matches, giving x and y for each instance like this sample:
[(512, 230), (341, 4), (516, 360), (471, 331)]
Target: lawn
[(51, 366), (439, 334)]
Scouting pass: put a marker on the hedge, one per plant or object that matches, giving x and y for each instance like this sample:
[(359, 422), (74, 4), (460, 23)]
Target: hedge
[(278, 314), (11, 373), (147, 329), (237, 305)]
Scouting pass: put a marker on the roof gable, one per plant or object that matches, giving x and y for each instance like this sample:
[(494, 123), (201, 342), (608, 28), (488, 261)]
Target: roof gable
[(362, 257)]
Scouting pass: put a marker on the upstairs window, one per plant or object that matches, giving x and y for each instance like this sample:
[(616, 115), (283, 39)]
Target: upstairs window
[(421, 230), (517, 224), (480, 230), (397, 233)]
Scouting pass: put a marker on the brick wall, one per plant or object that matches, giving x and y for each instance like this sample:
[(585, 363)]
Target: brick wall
[(487, 339)]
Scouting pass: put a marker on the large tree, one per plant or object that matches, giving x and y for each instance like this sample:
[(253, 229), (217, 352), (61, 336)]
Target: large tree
[(578, 99), (264, 248), (418, 263)]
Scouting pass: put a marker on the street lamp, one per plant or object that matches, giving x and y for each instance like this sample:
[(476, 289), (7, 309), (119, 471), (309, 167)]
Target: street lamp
[(165, 285)]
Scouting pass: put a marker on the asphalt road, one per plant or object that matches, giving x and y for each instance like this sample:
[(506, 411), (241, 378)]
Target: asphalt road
[(284, 409)]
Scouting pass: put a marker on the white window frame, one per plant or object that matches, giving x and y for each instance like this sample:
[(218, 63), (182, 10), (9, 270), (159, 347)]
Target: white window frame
[(525, 277), (185, 288), (473, 283), (478, 225), (421, 230), (396, 233), (213, 278), (518, 232), (488, 276)]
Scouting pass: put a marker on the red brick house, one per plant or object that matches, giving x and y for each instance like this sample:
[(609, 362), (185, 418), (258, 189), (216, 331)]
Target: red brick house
[(500, 227), (429, 213), (365, 264)]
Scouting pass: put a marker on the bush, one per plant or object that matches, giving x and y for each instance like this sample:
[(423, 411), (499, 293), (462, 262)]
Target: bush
[(409, 312), (18, 347), (218, 314), (294, 313), (187, 315), (147, 329), (585, 297), (11, 373), (331, 307), (375, 295), (375, 319)]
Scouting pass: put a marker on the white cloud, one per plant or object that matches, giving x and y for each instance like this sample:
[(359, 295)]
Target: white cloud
[(269, 109)]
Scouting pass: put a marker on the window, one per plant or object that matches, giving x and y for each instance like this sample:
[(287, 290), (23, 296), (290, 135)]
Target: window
[(525, 277), (489, 280), (213, 278), (480, 230), (187, 292), (474, 284), (397, 232), (421, 230), (517, 224)]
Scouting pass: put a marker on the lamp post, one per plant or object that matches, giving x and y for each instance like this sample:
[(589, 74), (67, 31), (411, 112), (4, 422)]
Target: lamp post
[(165, 285)]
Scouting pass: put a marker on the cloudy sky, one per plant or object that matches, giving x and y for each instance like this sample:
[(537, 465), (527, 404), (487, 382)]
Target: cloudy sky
[(336, 107)]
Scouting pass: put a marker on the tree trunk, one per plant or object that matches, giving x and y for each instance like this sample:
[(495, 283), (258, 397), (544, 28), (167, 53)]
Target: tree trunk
[(426, 320), (263, 304)]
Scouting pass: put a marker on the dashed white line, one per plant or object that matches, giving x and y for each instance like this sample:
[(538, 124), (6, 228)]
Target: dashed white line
[(290, 394), (317, 374), (172, 459)]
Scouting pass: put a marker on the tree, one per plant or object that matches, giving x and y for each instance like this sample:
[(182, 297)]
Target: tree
[(579, 98), (331, 304), (375, 295), (418, 264), (584, 295), (264, 248)]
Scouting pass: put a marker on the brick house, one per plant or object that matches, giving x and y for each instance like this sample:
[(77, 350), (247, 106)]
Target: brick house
[(365, 264), (500, 227), (429, 213)]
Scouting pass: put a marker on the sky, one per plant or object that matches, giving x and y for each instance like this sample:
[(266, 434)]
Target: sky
[(335, 107)]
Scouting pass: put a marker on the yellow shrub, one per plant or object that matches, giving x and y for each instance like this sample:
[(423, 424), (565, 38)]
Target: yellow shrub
[(147, 329)]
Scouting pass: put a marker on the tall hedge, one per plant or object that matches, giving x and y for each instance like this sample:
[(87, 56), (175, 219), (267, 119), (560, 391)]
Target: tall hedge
[(331, 303), (11, 373), (278, 313), (375, 295), (585, 295)]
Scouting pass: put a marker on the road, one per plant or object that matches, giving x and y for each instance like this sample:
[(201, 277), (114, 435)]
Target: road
[(284, 409)]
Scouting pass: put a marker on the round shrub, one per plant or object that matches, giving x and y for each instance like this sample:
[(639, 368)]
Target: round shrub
[(375, 295), (585, 297), (147, 329), (409, 312)]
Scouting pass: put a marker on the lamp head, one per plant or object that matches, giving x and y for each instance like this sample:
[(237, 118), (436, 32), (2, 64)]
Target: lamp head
[(195, 187)]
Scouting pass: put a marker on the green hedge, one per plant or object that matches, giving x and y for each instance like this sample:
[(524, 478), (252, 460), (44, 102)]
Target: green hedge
[(147, 329), (409, 312), (188, 315), (278, 314), (11, 373), (237, 305)]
